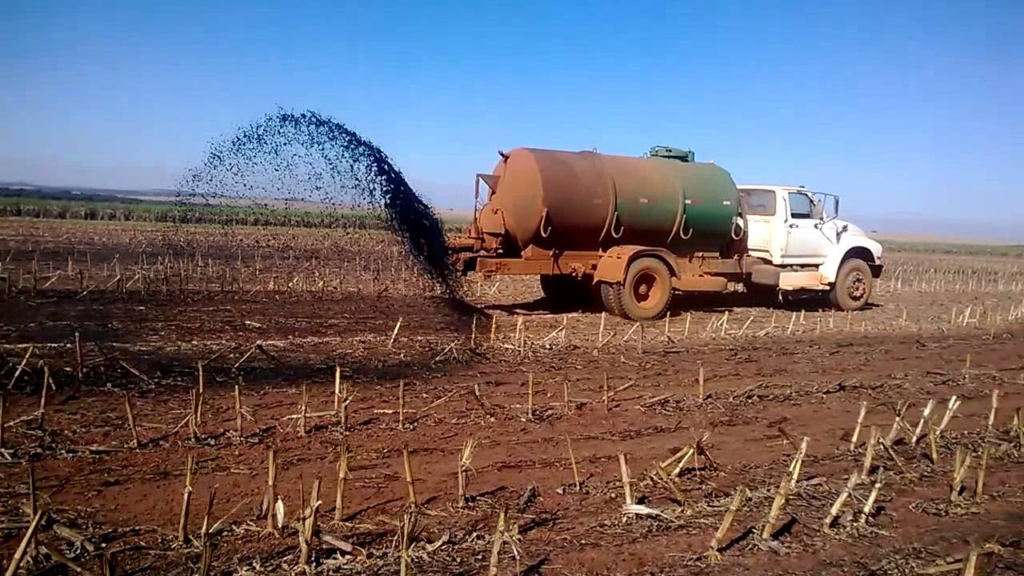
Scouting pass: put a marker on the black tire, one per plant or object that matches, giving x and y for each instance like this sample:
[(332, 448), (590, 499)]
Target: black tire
[(564, 290), (611, 297), (853, 286), (647, 291)]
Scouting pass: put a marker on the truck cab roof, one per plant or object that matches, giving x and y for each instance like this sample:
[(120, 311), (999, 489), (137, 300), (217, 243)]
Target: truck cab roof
[(775, 187)]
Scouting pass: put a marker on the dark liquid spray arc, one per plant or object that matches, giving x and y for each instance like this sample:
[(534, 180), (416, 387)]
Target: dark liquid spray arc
[(287, 157)]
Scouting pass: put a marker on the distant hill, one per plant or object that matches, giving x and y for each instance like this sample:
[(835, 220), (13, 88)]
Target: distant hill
[(79, 191), (28, 193)]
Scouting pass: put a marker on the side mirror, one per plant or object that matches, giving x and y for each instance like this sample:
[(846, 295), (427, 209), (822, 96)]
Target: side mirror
[(842, 231)]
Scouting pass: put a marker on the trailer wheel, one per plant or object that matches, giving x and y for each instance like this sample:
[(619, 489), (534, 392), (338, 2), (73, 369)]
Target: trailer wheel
[(611, 297), (647, 291), (853, 286)]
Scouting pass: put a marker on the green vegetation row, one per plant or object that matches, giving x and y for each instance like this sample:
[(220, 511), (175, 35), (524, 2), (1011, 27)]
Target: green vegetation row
[(167, 212), (953, 248)]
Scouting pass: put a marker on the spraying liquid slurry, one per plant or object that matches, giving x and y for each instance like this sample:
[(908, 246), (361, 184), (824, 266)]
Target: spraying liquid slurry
[(309, 157)]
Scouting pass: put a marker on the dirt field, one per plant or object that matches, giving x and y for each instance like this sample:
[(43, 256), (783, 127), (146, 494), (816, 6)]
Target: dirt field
[(276, 313)]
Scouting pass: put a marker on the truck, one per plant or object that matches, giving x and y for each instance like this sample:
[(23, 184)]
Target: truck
[(637, 231)]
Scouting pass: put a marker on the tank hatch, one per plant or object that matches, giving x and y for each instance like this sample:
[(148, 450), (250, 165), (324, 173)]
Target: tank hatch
[(672, 153)]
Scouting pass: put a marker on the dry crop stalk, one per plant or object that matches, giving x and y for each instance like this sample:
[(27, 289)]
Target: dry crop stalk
[(19, 554), (960, 465), (194, 406), (465, 462), (131, 419), (869, 505), (967, 368), (860, 423), (472, 337), (238, 409), (954, 403), (626, 488), (409, 479), (186, 499), (970, 563), (869, 453), (339, 498), (663, 474), (204, 536), (700, 380), (979, 485), (901, 409), (499, 537), (992, 412), (3, 407), (345, 401), (404, 529), (202, 390), (682, 456), (1016, 418), (572, 460), (307, 525), (519, 337), (270, 499), (785, 487), (933, 449), (394, 333), (745, 325), (42, 397), (892, 454), (567, 408), (716, 541), (337, 388), (20, 367), (494, 326), (78, 355), (302, 410), (838, 504), (925, 417)]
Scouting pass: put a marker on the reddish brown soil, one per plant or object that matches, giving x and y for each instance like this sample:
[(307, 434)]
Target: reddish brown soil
[(763, 385)]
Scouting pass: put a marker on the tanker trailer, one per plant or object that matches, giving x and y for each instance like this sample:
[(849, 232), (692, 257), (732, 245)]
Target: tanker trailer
[(632, 229)]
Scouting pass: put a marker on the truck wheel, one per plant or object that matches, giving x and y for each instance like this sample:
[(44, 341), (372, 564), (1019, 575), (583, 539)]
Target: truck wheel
[(853, 286), (647, 291), (563, 290), (611, 297)]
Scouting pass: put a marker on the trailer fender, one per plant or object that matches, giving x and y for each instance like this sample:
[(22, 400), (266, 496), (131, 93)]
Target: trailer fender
[(614, 263)]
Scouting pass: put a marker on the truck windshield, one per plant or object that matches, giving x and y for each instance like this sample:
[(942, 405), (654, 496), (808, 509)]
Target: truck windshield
[(813, 205)]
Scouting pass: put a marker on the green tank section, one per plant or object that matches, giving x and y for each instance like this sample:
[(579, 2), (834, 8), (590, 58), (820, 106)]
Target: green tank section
[(588, 201)]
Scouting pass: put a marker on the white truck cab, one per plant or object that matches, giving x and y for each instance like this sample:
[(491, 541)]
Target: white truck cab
[(803, 245)]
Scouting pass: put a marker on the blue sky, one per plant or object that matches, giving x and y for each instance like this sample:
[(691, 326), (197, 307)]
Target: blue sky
[(910, 110)]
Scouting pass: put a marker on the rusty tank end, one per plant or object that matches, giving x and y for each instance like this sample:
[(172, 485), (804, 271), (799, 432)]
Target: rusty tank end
[(585, 201)]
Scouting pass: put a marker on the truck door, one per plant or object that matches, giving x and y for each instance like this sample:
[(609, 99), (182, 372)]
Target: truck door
[(765, 237), (805, 241)]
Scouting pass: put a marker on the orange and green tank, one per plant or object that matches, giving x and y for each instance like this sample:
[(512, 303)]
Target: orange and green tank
[(585, 201)]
